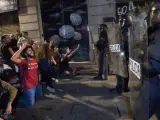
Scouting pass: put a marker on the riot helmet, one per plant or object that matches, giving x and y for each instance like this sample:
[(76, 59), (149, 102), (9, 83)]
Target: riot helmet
[(154, 15), (102, 27)]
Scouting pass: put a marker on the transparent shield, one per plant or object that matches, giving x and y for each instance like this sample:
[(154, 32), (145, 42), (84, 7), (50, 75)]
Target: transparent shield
[(117, 60), (138, 44)]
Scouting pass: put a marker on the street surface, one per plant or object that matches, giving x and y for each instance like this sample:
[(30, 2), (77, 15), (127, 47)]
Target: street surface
[(82, 99)]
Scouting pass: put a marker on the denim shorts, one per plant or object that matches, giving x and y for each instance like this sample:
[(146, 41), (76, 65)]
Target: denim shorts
[(30, 95)]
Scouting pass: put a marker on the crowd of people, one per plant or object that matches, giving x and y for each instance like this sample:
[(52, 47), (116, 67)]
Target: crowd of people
[(25, 65)]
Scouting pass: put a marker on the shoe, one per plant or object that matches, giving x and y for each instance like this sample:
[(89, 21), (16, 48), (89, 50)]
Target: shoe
[(56, 80), (51, 89), (113, 90), (116, 90), (60, 90), (98, 78), (8, 117), (126, 90)]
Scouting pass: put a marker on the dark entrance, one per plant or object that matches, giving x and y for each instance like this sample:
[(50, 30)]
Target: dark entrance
[(69, 20)]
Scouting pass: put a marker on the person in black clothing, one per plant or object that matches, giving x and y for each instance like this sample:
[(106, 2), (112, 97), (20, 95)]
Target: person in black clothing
[(7, 51), (55, 67), (64, 63), (44, 64), (6, 48), (66, 56), (101, 45), (122, 82), (10, 77), (13, 45)]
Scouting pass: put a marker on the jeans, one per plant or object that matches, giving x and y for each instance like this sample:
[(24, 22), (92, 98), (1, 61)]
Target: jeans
[(29, 95), (149, 100)]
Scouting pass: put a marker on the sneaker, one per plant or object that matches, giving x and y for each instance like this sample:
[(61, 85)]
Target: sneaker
[(7, 117), (56, 80), (51, 89)]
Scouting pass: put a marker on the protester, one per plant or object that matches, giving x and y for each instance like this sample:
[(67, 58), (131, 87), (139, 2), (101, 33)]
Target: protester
[(13, 45), (11, 77), (55, 62), (45, 60), (66, 56), (64, 64), (7, 95), (29, 74), (7, 51), (3, 66)]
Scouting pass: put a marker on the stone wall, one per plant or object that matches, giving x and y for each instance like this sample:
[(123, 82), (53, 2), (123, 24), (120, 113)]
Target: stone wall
[(30, 20), (97, 10)]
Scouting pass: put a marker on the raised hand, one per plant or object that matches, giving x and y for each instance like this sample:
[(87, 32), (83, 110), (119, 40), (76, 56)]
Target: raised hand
[(68, 50)]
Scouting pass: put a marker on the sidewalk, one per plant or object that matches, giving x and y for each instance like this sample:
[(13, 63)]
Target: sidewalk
[(82, 99)]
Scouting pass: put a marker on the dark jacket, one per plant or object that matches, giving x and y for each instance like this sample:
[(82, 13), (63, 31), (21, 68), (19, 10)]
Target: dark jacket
[(102, 45)]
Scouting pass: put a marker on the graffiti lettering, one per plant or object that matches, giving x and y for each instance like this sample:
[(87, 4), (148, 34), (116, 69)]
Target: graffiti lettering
[(124, 9), (131, 6)]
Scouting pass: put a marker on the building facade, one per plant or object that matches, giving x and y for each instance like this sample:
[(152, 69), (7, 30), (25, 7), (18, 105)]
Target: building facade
[(25, 17), (43, 19)]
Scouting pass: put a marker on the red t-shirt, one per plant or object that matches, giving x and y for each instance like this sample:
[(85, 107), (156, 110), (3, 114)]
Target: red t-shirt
[(30, 75)]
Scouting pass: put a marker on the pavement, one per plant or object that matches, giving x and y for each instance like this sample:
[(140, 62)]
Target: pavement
[(82, 98)]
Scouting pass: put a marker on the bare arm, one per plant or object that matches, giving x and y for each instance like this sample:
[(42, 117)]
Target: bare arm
[(11, 51), (12, 90), (16, 57), (53, 60), (66, 55)]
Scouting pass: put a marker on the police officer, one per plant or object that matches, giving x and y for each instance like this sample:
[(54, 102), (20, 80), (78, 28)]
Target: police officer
[(102, 46), (150, 97), (123, 79)]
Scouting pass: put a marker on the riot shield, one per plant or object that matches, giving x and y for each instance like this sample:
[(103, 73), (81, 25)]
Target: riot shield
[(117, 60), (138, 44)]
